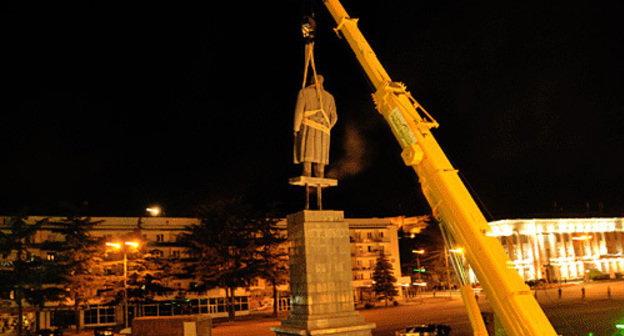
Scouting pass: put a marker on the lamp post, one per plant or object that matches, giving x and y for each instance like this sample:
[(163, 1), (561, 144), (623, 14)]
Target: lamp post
[(418, 254), (118, 246), (458, 250)]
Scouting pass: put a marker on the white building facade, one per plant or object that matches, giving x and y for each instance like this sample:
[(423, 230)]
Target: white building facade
[(563, 249)]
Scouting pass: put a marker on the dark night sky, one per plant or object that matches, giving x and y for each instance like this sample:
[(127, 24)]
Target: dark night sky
[(127, 106)]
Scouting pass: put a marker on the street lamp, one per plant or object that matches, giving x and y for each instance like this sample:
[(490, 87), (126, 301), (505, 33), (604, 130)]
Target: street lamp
[(119, 246), (418, 254), (154, 211)]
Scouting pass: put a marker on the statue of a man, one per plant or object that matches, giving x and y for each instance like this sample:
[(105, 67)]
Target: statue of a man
[(315, 115)]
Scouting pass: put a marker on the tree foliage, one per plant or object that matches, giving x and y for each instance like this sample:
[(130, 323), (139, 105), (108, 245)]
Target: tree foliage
[(27, 277), (83, 254), (228, 246), (273, 258), (384, 280)]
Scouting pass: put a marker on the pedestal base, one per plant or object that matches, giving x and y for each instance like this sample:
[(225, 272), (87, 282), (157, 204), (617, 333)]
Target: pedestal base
[(321, 292), (356, 330)]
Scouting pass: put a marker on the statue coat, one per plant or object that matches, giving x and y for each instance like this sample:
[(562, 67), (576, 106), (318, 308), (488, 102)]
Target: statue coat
[(312, 125)]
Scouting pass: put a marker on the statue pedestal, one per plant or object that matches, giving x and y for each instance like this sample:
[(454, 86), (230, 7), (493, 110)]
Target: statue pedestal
[(321, 293)]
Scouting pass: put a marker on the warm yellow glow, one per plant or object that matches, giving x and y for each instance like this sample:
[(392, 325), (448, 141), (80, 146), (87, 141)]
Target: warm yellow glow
[(457, 250), (154, 210), (584, 237), (118, 245), (133, 244), (418, 251)]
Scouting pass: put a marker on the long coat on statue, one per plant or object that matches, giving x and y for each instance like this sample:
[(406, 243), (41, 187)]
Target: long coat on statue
[(313, 123)]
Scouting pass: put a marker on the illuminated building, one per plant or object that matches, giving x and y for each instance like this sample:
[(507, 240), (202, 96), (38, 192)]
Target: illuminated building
[(563, 249)]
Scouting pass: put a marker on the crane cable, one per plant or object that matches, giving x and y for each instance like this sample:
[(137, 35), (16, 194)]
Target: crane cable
[(309, 63)]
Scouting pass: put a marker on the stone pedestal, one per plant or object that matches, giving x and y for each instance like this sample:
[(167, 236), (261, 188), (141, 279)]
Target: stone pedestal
[(321, 293)]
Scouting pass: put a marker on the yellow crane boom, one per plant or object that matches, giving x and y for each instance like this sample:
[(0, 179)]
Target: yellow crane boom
[(511, 299)]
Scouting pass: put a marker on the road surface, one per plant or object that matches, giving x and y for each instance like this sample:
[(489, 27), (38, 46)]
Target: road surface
[(570, 315)]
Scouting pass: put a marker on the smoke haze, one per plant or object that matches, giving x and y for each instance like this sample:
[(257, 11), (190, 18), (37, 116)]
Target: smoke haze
[(353, 160)]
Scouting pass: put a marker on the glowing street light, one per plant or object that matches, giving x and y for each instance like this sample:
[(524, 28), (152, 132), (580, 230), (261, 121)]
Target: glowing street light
[(154, 211), (418, 254), (115, 245), (583, 237), (119, 246), (458, 250)]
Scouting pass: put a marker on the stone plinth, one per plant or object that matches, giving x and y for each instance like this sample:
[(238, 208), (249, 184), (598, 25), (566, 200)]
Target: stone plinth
[(321, 293)]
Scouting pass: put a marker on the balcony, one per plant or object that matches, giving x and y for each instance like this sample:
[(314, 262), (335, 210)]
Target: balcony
[(374, 239), (373, 253)]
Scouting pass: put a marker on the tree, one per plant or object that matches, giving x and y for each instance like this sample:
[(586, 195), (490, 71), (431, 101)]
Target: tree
[(27, 276), (84, 256), (226, 247), (383, 279), (273, 262)]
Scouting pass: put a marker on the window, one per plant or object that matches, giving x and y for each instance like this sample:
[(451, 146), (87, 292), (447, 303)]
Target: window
[(102, 315), (90, 316), (241, 303), (150, 310), (50, 256), (107, 315), (369, 235), (160, 238), (175, 253)]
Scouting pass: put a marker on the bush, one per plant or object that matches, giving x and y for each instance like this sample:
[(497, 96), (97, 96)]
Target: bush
[(395, 303), (595, 274), (368, 305)]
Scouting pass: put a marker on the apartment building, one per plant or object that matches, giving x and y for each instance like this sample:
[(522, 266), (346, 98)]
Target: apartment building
[(369, 238)]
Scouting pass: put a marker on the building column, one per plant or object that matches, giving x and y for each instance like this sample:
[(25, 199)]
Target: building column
[(510, 247), (618, 242), (521, 260), (602, 247), (536, 247)]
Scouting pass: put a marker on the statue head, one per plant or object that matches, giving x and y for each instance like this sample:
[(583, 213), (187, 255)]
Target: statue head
[(319, 80)]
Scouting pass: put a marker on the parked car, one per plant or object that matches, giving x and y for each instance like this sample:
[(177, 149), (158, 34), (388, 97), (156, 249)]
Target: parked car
[(49, 332), (425, 329), (104, 331)]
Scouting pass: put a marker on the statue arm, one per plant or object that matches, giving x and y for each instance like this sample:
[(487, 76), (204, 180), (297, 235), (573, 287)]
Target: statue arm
[(333, 116), (299, 111)]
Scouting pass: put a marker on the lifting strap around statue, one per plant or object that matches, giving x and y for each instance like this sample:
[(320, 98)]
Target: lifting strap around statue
[(309, 63)]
